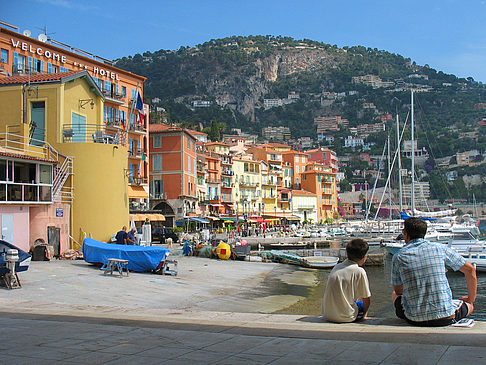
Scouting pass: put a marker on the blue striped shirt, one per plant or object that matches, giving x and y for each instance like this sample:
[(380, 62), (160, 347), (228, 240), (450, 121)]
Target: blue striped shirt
[(420, 266)]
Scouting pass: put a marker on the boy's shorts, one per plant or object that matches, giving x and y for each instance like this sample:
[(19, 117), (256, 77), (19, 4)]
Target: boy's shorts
[(361, 313), (462, 311)]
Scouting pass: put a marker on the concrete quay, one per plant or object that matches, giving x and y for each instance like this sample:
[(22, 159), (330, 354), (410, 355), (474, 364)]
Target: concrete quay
[(69, 312)]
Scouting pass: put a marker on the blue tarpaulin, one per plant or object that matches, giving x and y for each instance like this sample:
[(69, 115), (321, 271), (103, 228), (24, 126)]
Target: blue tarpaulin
[(140, 258), (406, 216)]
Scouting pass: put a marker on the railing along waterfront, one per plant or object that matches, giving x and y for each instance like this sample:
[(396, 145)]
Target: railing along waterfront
[(92, 133)]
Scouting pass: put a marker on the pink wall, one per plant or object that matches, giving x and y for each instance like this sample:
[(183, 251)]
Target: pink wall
[(45, 215), (20, 224)]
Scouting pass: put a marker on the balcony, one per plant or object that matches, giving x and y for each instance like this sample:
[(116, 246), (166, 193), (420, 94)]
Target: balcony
[(249, 184), (136, 153), (213, 181), (137, 128), (160, 196), (228, 173), (268, 183), (91, 133), (113, 97), (215, 198), (137, 180), (116, 123)]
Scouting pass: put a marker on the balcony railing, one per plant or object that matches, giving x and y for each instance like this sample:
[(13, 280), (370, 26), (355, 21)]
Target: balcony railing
[(135, 127), (136, 152), (113, 96), (115, 122), (161, 196), (91, 133), (213, 181)]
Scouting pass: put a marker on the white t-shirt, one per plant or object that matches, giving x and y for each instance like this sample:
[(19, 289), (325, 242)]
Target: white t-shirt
[(346, 283)]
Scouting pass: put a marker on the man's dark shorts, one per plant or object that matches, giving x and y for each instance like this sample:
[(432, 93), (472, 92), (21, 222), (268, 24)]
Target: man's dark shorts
[(461, 313)]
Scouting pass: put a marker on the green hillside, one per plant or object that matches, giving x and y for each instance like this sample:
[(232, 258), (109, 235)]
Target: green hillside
[(235, 75)]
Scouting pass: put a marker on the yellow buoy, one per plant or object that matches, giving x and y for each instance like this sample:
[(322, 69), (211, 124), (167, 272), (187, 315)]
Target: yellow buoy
[(223, 251)]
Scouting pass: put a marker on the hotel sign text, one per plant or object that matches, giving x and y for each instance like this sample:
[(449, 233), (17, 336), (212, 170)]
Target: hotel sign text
[(97, 71)]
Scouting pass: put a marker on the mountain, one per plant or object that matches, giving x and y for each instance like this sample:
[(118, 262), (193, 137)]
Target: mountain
[(239, 80)]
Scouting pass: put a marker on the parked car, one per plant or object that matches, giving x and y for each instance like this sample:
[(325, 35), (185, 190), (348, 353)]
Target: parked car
[(160, 234)]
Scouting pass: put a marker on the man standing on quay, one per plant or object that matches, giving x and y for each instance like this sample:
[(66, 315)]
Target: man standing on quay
[(422, 295)]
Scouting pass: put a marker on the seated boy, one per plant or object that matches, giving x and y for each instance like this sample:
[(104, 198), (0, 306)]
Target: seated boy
[(347, 294)]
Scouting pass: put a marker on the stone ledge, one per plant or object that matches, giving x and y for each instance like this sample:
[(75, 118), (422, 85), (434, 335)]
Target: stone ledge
[(277, 325)]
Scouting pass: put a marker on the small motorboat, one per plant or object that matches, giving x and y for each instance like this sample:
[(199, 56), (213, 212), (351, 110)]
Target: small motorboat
[(320, 262), (22, 263)]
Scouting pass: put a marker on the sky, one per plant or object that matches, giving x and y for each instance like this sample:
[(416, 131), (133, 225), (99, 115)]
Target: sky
[(448, 35)]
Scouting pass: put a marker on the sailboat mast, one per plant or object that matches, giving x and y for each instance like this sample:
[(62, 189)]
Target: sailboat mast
[(389, 187), (399, 166), (413, 159)]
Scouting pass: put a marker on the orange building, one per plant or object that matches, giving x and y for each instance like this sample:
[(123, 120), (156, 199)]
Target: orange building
[(213, 183), (298, 161), (325, 156), (321, 180), (22, 55), (173, 172)]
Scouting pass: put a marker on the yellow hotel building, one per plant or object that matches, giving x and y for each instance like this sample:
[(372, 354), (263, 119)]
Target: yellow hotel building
[(82, 109)]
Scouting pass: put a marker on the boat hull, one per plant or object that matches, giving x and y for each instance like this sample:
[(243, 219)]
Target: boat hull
[(320, 262), (22, 263), (140, 258)]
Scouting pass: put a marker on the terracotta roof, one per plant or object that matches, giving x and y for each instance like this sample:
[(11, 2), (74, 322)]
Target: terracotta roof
[(25, 157), (216, 143), (197, 132), (36, 78)]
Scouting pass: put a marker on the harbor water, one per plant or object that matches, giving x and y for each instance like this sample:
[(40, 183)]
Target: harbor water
[(381, 289)]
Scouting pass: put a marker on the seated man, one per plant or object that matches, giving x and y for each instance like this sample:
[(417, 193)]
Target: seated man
[(422, 295), (131, 240), (121, 236), (347, 294)]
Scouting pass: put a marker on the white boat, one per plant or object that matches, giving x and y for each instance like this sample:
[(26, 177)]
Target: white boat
[(320, 262), (459, 239), (476, 255)]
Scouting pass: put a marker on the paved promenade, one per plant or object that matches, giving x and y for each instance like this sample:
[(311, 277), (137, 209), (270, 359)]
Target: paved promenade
[(181, 337), (70, 313)]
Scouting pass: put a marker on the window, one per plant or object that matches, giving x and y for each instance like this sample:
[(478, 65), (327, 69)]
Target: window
[(188, 143), (45, 174), (157, 141), (18, 62), (63, 69), (134, 94), (157, 161), (3, 170), (38, 66), (4, 56), (124, 91), (157, 188), (49, 67), (107, 87), (189, 163)]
